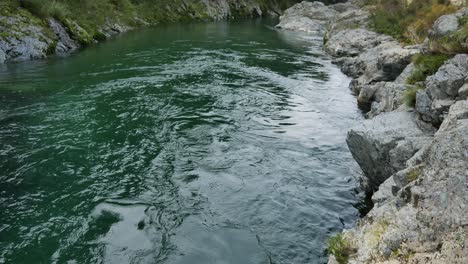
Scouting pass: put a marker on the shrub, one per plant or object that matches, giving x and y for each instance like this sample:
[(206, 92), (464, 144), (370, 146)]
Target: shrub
[(45, 9), (410, 95), (408, 23), (339, 247)]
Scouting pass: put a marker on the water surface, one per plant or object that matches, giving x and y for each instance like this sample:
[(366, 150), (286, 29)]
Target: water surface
[(205, 143)]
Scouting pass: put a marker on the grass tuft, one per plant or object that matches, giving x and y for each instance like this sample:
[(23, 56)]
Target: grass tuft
[(409, 23), (339, 247), (426, 65), (410, 95)]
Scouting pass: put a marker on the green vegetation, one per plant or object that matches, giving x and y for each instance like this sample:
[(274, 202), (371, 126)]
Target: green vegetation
[(413, 174), (408, 23), (410, 95), (85, 18), (339, 247), (426, 65)]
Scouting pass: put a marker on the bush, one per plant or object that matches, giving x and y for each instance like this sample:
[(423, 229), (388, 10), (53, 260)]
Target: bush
[(339, 247)]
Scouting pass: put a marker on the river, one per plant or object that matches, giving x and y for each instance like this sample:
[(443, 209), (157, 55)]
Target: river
[(196, 144)]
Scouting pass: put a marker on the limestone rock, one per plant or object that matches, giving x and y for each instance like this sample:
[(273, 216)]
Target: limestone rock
[(308, 17), (449, 78), (382, 145), (64, 44), (2, 56), (442, 89), (463, 91), (421, 212), (303, 24), (444, 25), (352, 42)]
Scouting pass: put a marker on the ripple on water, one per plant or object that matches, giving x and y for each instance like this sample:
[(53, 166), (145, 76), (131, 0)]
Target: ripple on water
[(166, 146)]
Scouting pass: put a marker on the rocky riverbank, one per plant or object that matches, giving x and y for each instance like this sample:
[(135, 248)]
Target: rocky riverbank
[(35, 30), (414, 157)]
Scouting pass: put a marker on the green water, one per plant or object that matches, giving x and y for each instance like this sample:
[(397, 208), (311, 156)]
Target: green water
[(206, 143)]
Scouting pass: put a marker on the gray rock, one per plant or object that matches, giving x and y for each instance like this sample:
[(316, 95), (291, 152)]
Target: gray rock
[(445, 25), (463, 91), (2, 56), (24, 43), (313, 10), (303, 24), (382, 145), (350, 19), (384, 62), (442, 89), (405, 74), (308, 17), (421, 212), (458, 111), (64, 44), (352, 42), (387, 96), (449, 78)]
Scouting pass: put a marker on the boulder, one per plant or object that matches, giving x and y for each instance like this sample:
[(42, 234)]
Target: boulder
[(382, 145), (446, 82), (444, 25), (382, 97), (313, 10), (442, 90), (303, 24), (352, 42), (310, 17), (384, 62)]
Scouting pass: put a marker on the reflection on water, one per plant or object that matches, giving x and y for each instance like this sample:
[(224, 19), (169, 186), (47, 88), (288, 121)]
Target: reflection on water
[(204, 143)]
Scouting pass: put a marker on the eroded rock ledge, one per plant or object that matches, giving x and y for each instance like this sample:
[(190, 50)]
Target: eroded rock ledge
[(414, 160)]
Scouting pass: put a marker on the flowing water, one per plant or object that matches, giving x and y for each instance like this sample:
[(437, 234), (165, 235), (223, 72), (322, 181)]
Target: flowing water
[(204, 143)]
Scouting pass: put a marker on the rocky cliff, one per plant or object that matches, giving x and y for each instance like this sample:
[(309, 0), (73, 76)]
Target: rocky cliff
[(33, 29), (414, 156)]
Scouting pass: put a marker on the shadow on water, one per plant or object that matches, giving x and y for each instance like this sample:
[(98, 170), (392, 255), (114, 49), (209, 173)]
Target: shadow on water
[(199, 143)]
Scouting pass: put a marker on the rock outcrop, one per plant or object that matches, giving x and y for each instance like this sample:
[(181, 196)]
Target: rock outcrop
[(420, 213), (416, 171), (442, 90), (26, 36), (382, 145)]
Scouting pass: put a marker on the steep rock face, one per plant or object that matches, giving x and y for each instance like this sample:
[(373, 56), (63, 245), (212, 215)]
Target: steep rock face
[(382, 145), (424, 218)]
